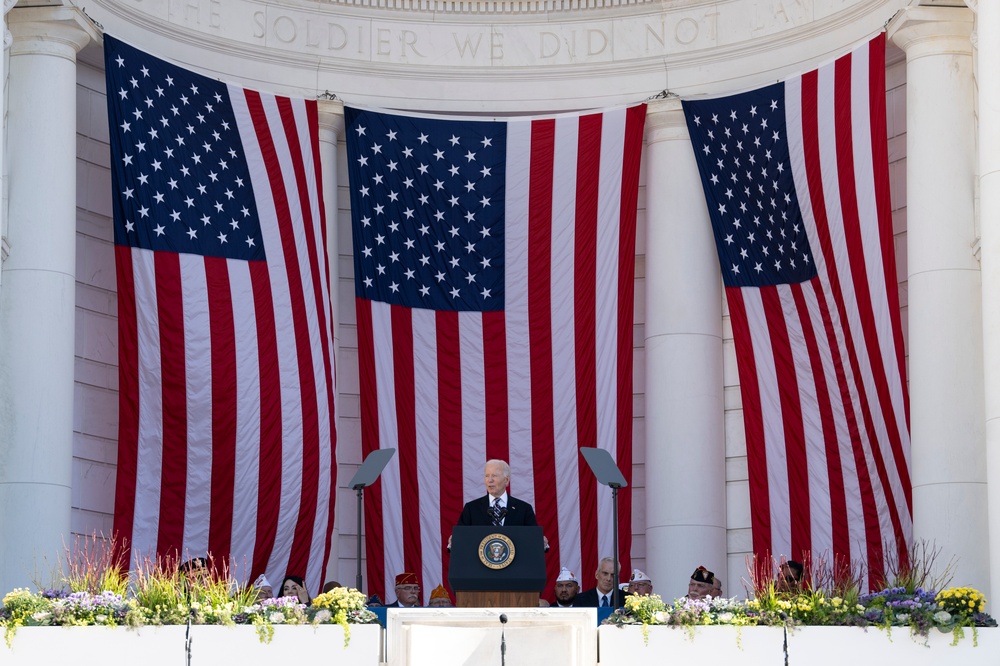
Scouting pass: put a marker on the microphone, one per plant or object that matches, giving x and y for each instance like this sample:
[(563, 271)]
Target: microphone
[(503, 514), (503, 640)]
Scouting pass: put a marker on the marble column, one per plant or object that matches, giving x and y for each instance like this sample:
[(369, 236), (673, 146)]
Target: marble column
[(685, 457), (37, 301), (988, 75), (947, 410), (331, 130), (7, 41)]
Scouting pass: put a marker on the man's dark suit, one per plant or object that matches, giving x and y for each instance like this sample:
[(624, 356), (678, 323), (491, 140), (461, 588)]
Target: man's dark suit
[(590, 599), (477, 512)]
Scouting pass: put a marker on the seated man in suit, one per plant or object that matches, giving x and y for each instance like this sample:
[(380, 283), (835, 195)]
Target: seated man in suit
[(497, 507), (606, 593)]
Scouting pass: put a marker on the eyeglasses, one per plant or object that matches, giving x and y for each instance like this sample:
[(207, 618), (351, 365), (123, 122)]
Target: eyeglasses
[(410, 588)]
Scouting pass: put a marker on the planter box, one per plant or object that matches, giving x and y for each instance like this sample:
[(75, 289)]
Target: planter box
[(816, 646), (698, 645), (210, 645)]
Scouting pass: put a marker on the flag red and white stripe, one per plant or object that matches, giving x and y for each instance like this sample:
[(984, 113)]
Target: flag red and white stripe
[(821, 360), (227, 432), (532, 383)]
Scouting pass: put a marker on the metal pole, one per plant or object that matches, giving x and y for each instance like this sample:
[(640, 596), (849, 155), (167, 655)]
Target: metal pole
[(357, 582), (614, 506)]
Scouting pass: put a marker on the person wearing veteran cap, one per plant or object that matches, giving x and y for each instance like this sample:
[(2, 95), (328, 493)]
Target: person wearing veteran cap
[(263, 587), (407, 591), (640, 584), (567, 587), (702, 584), (440, 598)]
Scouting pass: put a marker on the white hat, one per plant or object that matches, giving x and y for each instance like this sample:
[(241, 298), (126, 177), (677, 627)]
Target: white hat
[(566, 574), (261, 582), (638, 576)]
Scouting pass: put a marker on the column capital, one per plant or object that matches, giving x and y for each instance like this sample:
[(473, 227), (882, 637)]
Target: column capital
[(331, 117), (57, 31), (921, 31), (665, 121)]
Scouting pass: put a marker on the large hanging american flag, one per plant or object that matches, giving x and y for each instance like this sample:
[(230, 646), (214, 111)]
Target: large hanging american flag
[(797, 183), (494, 265), (226, 423)]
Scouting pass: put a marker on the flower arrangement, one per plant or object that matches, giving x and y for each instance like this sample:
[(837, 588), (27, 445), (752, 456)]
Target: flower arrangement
[(920, 611), (95, 591), (829, 595), (58, 608), (343, 606)]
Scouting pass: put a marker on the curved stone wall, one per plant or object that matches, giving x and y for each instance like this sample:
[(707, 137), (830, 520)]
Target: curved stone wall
[(503, 56)]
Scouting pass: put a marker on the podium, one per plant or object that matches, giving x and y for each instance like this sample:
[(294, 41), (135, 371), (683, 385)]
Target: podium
[(496, 567)]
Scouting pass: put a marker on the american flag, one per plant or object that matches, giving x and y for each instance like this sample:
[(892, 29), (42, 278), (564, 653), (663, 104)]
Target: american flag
[(797, 183), (226, 423), (494, 265)]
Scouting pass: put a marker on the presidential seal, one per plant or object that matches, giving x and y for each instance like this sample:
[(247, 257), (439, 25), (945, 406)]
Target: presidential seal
[(496, 551)]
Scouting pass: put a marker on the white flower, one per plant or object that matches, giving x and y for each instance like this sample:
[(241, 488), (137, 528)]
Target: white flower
[(40, 616), (725, 618), (276, 618), (100, 619), (323, 616), (661, 617), (903, 618), (942, 617)]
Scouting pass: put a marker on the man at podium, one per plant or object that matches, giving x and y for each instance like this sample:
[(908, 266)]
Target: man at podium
[(497, 507)]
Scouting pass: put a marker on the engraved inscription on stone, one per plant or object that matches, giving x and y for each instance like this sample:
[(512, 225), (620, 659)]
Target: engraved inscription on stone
[(362, 34)]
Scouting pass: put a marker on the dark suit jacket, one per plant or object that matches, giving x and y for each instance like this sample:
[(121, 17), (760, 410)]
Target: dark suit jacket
[(589, 599), (395, 604), (477, 512)]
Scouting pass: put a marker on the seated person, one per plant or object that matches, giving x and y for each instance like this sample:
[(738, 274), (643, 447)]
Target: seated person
[(330, 584), (407, 591), (440, 598), (567, 587), (195, 569), (640, 584), (295, 586), (193, 574), (263, 587), (717, 588), (789, 577), (701, 584), (606, 593)]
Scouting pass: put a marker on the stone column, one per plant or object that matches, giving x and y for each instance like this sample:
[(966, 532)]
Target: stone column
[(685, 461), (947, 409), (331, 129), (988, 30), (7, 41), (37, 302)]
